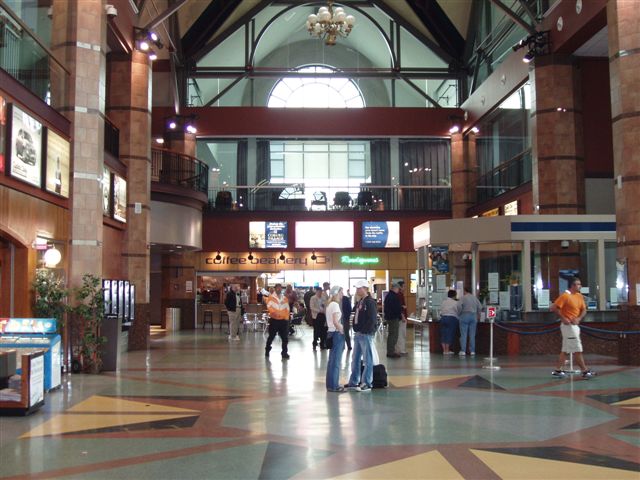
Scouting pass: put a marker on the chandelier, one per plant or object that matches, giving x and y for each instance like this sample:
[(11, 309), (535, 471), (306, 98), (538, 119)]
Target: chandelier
[(329, 24)]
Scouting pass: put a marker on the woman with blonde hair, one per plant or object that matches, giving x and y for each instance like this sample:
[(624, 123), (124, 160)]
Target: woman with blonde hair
[(336, 336)]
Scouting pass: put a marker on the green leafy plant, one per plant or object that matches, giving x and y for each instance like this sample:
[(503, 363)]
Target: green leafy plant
[(50, 296), (89, 313)]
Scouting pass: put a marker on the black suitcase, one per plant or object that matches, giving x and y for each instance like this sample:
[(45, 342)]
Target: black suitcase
[(379, 376)]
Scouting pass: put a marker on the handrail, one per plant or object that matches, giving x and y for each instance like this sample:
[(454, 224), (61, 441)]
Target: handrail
[(32, 34), (485, 183), (175, 168)]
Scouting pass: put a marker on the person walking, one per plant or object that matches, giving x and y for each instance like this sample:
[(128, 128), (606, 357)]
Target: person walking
[(471, 308), (364, 326), (307, 305), (336, 334), (235, 309), (401, 345), (346, 317), (317, 304), (392, 314), (278, 307), (571, 309), (449, 314)]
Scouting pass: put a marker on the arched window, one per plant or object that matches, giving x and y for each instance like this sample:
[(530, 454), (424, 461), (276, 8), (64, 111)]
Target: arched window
[(315, 92)]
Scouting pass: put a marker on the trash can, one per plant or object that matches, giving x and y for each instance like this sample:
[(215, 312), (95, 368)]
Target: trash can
[(172, 319)]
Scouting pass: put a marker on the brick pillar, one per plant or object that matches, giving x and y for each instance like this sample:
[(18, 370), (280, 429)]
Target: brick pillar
[(130, 111), (79, 36), (624, 57), (460, 198), (181, 142), (556, 137)]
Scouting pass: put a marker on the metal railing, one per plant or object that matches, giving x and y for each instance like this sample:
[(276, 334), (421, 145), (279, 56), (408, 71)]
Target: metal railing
[(505, 177), (172, 168), (111, 139), (27, 59), (301, 197)]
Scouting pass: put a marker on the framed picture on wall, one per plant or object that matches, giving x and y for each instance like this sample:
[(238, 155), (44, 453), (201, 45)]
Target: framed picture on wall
[(126, 299), (119, 198), (26, 147), (114, 297), (3, 132), (106, 290), (132, 301), (106, 192), (58, 156), (121, 298)]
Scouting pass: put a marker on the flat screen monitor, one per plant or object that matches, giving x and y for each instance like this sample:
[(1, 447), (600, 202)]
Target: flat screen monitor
[(380, 234), (324, 235), (268, 235)]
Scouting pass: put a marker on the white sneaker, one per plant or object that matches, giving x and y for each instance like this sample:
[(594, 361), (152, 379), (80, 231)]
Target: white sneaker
[(229, 338), (462, 354), (473, 354), (236, 338)]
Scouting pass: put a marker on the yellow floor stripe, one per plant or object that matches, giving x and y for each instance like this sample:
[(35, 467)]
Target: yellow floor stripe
[(408, 380), (635, 401), (99, 403), (78, 423), (509, 466), (431, 465)]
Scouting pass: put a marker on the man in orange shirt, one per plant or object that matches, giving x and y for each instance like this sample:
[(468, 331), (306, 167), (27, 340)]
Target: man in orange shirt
[(571, 309), (278, 306)]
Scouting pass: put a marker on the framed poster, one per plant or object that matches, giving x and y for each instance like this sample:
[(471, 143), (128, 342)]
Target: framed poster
[(380, 234), (440, 258), (119, 198), (58, 157), (126, 299), (26, 147), (132, 300), (114, 297), (3, 132), (121, 298), (268, 235), (106, 192), (106, 289)]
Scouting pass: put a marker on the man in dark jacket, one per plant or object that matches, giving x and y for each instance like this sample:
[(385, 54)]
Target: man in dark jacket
[(364, 326), (307, 305), (235, 309), (392, 314)]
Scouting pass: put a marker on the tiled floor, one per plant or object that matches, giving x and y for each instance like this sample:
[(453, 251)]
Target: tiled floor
[(199, 407)]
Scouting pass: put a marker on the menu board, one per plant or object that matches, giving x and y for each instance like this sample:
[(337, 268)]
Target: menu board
[(3, 132), (119, 198), (268, 235), (380, 234), (36, 380), (58, 156), (26, 148)]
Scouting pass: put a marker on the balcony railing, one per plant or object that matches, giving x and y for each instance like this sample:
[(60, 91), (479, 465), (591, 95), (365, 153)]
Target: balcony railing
[(111, 139), (505, 177), (172, 168), (301, 197), (27, 59)]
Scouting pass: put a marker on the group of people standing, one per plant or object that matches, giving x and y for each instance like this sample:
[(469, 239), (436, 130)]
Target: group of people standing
[(330, 311), (464, 314)]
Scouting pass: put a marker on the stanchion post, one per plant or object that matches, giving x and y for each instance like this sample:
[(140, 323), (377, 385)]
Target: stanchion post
[(491, 316)]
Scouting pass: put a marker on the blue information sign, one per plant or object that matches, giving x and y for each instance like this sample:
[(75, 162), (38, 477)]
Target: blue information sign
[(380, 234)]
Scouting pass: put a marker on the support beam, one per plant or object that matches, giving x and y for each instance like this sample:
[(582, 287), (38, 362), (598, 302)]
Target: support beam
[(513, 16), (420, 91), (438, 23), (224, 91), (164, 15), (207, 24)]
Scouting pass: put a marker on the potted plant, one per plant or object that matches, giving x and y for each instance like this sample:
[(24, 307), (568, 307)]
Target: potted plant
[(50, 297), (89, 313)]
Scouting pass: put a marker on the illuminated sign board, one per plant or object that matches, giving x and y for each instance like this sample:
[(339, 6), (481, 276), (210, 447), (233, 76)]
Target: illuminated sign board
[(314, 235), (268, 235), (511, 208), (380, 234), (348, 260)]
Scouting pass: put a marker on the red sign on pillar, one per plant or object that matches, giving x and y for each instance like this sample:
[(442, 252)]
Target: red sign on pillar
[(491, 312)]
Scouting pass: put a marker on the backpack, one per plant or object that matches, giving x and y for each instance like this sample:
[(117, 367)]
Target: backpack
[(379, 376)]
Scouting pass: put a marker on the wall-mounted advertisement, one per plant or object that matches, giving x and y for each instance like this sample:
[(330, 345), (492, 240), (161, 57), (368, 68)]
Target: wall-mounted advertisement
[(3, 132), (440, 258), (268, 235), (380, 234), (324, 235), (58, 155), (106, 192), (26, 148), (119, 198)]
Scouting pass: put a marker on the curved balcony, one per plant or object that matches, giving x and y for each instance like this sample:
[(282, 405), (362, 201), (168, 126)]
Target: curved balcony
[(179, 170)]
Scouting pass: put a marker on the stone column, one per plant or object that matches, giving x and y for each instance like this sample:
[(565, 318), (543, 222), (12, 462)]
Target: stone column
[(623, 17), (460, 199), (79, 36), (556, 137), (180, 141), (130, 111)]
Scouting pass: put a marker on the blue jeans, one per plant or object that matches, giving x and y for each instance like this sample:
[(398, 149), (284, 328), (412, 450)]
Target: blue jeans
[(335, 358), (468, 324), (362, 351)]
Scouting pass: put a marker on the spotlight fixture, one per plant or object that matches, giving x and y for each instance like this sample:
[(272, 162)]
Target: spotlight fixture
[(145, 39), (153, 56), (536, 44), (454, 129), (185, 123), (172, 125), (455, 124), (218, 257), (282, 257), (314, 257), (143, 45), (191, 129), (475, 130), (250, 256), (159, 140)]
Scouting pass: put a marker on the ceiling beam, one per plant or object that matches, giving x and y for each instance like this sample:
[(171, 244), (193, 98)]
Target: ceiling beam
[(514, 16), (158, 19), (438, 23), (528, 11), (207, 24), (234, 72)]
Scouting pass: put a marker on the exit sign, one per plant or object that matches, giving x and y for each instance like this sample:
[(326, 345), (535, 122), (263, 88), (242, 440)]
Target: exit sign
[(491, 312)]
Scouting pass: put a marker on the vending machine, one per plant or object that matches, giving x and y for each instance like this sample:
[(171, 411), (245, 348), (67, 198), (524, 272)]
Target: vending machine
[(27, 335)]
